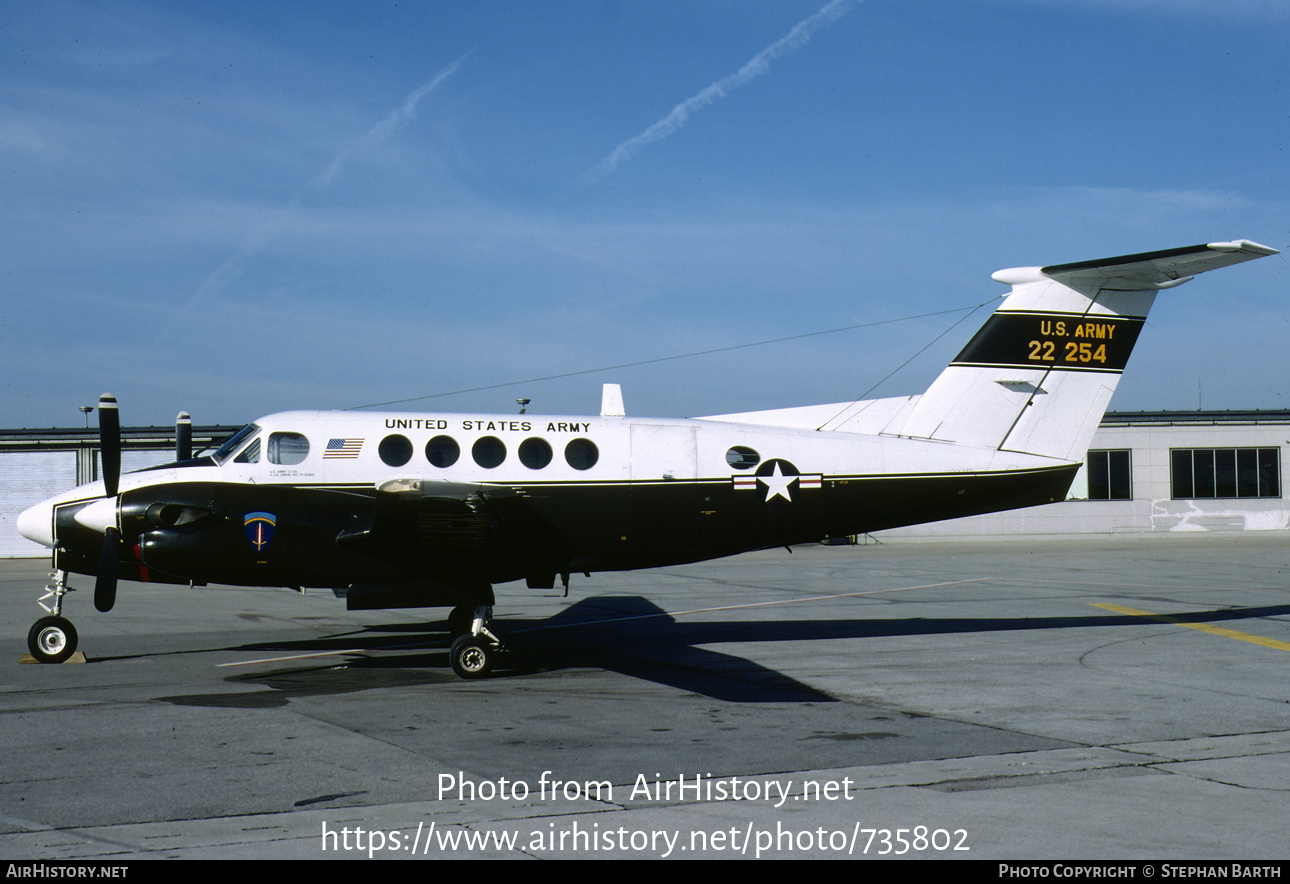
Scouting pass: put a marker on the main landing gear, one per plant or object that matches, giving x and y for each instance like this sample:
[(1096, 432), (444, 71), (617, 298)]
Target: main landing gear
[(52, 639), (475, 649)]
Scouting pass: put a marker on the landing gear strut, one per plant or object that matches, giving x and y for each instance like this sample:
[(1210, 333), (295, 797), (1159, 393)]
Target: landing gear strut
[(52, 639), (474, 653)]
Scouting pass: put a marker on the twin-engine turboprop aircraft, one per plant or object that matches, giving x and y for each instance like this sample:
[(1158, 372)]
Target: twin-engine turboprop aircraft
[(413, 510)]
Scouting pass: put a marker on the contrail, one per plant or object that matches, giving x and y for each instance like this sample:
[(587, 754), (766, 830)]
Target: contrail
[(260, 238), (794, 40), (387, 128)]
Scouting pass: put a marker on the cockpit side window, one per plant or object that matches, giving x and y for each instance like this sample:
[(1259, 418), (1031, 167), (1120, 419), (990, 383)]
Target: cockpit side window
[(250, 454), (234, 442), (287, 448)]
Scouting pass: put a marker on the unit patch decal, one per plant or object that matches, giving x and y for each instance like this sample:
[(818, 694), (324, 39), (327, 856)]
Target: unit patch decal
[(259, 528)]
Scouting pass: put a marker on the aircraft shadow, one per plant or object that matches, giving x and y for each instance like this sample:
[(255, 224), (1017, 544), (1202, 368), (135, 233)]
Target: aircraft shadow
[(632, 636)]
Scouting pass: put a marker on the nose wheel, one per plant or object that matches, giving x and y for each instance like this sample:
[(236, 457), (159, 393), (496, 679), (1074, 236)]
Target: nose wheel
[(52, 639)]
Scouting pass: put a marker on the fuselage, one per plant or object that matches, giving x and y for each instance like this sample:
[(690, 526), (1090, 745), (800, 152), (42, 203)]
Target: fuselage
[(334, 499)]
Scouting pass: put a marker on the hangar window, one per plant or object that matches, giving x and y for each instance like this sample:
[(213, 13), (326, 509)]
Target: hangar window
[(488, 451), (287, 448), (1110, 475), (442, 451), (581, 454), (395, 450), (535, 453), (742, 458), (1197, 473)]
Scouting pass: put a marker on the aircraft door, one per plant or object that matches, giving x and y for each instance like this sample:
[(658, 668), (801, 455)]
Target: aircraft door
[(665, 497)]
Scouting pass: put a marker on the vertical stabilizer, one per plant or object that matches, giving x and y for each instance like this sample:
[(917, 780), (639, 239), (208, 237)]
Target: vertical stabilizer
[(1039, 374)]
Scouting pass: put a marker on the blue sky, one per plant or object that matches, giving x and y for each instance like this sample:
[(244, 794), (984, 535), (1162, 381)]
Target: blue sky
[(241, 208)]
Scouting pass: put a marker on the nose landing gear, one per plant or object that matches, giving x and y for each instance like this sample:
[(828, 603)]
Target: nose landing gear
[(52, 639)]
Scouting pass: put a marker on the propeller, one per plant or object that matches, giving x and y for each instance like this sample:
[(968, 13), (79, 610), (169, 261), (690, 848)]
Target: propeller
[(105, 580), (110, 453), (110, 443)]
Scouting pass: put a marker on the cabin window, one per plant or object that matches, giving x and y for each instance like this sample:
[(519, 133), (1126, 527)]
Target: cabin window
[(742, 458), (1110, 476), (535, 453), (581, 454), (488, 451), (395, 450), (442, 451), (287, 448)]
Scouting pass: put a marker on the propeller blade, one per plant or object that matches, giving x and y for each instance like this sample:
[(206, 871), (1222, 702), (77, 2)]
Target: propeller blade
[(110, 442), (183, 437), (105, 582)]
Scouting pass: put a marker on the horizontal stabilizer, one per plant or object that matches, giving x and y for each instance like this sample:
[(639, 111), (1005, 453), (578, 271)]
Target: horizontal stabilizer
[(1147, 270)]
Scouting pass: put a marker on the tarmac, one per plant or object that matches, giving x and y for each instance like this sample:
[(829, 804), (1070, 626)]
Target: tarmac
[(1102, 697)]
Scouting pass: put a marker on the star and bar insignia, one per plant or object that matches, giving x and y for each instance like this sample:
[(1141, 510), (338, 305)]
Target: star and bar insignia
[(781, 480)]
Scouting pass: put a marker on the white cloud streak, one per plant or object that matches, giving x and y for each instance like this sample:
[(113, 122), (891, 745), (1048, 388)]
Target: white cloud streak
[(390, 126), (259, 239), (759, 64)]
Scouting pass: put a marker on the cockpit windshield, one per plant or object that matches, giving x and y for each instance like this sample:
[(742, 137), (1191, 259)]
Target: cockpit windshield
[(234, 442)]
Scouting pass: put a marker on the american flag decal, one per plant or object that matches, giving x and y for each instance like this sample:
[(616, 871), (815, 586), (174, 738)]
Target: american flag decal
[(342, 448)]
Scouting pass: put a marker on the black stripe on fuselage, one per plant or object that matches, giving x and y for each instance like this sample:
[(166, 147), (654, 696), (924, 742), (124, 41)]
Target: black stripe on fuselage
[(550, 527)]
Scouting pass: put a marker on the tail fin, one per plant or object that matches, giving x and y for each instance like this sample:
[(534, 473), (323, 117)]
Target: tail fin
[(1039, 374)]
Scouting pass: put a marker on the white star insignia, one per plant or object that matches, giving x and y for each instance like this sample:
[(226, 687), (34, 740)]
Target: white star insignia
[(777, 484)]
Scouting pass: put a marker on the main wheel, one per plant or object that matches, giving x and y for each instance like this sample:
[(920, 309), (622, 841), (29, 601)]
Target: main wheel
[(472, 656), (52, 639)]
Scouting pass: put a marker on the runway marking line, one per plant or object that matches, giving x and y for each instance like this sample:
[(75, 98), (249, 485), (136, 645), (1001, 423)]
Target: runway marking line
[(1203, 627)]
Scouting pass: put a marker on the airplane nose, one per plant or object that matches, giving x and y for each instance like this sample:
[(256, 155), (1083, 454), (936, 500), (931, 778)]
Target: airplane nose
[(37, 523)]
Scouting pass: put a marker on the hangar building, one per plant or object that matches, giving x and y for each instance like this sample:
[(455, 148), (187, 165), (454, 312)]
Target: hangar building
[(1156, 471)]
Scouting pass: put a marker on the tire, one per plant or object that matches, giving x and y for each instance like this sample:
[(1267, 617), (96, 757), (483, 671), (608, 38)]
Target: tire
[(52, 639), (472, 657)]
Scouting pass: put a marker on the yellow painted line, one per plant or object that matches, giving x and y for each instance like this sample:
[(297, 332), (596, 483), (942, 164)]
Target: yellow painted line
[(1203, 627)]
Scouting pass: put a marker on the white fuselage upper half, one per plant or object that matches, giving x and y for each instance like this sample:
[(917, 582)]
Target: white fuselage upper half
[(357, 449)]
